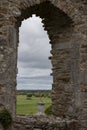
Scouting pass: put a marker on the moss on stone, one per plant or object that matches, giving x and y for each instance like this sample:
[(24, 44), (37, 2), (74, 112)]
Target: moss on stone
[(5, 118)]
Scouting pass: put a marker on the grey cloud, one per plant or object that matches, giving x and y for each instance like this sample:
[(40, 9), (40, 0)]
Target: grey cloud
[(33, 52), (36, 65), (43, 82)]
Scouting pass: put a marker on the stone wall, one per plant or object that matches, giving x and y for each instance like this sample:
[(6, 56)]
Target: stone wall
[(44, 123), (66, 24)]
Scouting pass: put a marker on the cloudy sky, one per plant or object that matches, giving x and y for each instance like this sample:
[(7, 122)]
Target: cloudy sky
[(34, 68)]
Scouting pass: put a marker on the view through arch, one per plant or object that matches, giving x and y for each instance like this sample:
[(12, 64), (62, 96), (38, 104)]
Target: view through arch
[(65, 22), (34, 82)]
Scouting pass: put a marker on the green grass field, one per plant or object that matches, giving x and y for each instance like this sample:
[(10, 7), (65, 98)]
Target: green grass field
[(25, 106)]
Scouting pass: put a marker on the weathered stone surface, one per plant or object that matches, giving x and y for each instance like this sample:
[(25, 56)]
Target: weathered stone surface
[(44, 123), (66, 24)]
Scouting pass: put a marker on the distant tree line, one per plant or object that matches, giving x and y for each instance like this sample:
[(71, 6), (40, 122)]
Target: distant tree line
[(35, 93)]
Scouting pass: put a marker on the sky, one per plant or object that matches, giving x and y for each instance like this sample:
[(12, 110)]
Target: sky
[(34, 67)]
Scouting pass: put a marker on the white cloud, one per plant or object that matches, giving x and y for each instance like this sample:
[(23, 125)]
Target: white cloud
[(34, 50), (33, 72)]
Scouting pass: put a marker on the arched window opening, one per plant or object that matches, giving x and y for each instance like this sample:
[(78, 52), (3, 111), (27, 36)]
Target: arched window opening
[(34, 82)]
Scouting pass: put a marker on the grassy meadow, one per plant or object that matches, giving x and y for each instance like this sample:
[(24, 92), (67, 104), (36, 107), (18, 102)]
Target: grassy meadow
[(29, 105)]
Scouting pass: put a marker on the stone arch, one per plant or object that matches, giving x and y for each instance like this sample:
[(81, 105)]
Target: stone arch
[(70, 8), (68, 50), (59, 28)]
